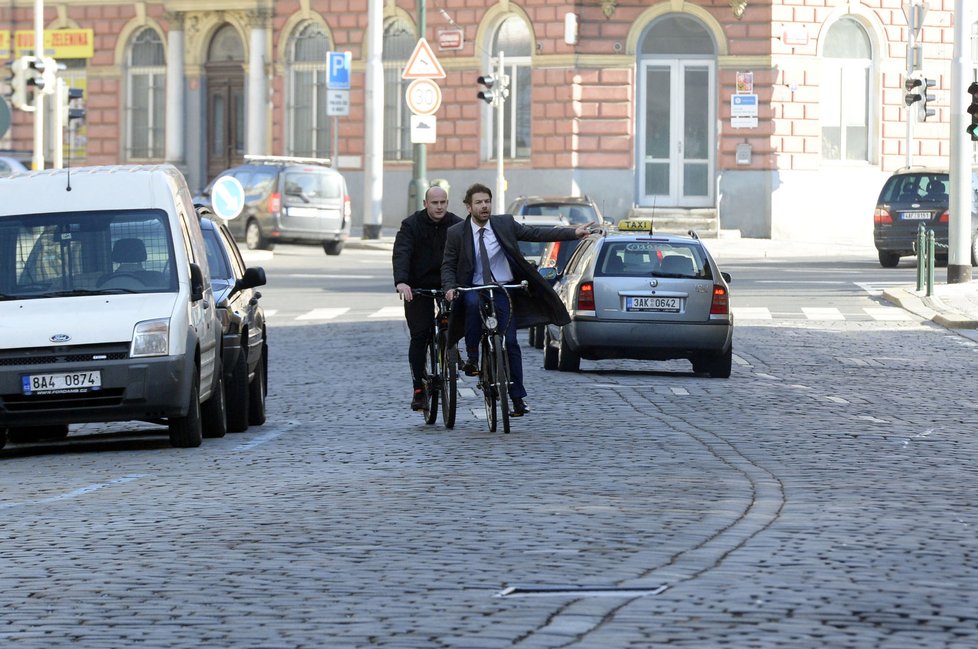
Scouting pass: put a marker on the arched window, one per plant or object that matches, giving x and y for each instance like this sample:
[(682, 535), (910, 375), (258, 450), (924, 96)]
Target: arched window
[(310, 130), (847, 63), (512, 38), (145, 96), (399, 42)]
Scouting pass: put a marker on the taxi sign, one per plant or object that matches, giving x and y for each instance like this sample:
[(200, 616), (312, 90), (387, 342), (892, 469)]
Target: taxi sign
[(227, 197), (635, 225)]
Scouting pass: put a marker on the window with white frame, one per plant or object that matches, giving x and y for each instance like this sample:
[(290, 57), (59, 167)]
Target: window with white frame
[(847, 64), (399, 42), (512, 38), (310, 130), (145, 96)]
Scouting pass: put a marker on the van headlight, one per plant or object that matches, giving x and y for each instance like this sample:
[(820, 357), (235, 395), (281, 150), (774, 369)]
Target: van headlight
[(151, 338)]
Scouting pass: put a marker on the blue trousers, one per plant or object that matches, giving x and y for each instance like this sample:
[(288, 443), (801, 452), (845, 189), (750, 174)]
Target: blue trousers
[(473, 331)]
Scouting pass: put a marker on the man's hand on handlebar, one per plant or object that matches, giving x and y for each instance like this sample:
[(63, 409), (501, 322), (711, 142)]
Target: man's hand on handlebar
[(404, 291), (451, 294)]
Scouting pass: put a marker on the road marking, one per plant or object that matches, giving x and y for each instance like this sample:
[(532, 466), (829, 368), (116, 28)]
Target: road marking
[(315, 276), (270, 312), (680, 392), (822, 313), (258, 441), (323, 314), (751, 313), (889, 313), (75, 493), (388, 312), (877, 288)]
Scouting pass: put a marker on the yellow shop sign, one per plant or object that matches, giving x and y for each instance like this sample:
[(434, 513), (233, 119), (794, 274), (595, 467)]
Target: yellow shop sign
[(58, 43), (4, 45)]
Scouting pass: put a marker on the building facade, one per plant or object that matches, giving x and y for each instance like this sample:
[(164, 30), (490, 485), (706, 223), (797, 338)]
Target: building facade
[(774, 118)]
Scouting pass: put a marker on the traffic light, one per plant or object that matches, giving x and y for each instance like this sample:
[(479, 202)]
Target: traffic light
[(46, 74), (73, 111), (923, 112), (487, 95), (912, 84), (18, 82), (973, 111)]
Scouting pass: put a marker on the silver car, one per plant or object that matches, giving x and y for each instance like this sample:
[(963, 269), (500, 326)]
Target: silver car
[(643, 296)]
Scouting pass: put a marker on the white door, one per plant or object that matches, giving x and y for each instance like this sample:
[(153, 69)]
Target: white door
[(676, 133)]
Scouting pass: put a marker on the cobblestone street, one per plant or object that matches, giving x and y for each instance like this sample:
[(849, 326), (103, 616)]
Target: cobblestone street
[(823, 496)]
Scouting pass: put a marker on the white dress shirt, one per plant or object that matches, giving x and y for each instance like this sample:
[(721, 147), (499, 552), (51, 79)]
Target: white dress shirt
[(498, 263)]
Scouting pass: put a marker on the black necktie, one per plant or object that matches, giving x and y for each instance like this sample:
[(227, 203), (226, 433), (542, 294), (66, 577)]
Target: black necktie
[(484, 256)]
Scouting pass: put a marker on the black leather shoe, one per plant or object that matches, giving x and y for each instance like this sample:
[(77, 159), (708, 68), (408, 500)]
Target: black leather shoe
[(470, 368), (519, 408), (417, 401)]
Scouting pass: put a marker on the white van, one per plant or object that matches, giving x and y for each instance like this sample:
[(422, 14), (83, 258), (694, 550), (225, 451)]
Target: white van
[(106, 307)]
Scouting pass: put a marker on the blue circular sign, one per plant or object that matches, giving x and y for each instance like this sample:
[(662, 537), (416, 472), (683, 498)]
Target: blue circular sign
[(227, 197)]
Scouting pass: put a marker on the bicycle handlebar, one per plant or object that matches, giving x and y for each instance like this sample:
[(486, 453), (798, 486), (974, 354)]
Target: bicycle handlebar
[(432, 292), (523, 285)]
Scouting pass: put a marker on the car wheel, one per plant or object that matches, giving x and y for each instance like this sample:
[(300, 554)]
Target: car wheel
[(187, 431), (538, 343), (888, 259), (701, 365), (238, 395), (214, 411), (254, 238), (720, 367), (531, 338), (974, 250), (567, 359), (549, 351), (333, 247), (256, 392)]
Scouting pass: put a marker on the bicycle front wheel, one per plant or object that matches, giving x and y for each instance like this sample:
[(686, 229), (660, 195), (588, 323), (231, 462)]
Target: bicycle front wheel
[(431, 381), (488, 382), (502, 379), (449, 382)]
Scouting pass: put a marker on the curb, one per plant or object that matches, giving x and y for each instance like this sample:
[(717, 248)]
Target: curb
[(922, 306)]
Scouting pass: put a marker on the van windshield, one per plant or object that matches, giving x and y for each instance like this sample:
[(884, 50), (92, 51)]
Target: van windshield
[(86, 253)]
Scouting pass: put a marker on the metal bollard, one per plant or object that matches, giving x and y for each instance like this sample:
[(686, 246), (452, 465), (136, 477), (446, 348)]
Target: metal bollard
[(930, 263), (921, 257)]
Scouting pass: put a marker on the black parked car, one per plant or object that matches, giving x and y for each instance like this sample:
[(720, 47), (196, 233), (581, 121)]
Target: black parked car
[(244, 351), (910, 197)]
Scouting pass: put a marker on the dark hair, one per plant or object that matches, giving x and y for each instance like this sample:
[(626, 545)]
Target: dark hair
[(477, 188)]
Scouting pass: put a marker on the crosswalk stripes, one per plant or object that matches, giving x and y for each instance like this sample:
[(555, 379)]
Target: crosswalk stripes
[(388, 312), (323, 314), (822, 313), (881, 313)]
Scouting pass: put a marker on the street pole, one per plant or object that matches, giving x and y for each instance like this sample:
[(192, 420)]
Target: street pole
[(911, 15), (419, 181), (373, 170), (38, 96), (959, 227), (500, 116)]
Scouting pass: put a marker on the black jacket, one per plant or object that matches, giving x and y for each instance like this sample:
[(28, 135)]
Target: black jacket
[(538, 306), (418, 249)]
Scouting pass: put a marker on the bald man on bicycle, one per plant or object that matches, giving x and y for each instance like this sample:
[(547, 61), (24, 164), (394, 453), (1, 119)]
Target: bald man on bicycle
[(486, 244)]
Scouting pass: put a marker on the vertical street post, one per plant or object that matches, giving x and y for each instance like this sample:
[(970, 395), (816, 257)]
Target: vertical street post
[(960, 190), (419, 180), (38, 96)]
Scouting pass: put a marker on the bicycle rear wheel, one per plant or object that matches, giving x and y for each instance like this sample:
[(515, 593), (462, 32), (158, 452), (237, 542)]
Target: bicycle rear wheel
[(449, 381), (487, 380), (502, 379), (430, 381)]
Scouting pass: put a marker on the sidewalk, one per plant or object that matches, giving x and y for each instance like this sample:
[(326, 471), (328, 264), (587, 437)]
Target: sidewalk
[(954, 306)]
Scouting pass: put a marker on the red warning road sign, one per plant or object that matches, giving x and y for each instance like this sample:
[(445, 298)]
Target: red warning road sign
[(423, 63)]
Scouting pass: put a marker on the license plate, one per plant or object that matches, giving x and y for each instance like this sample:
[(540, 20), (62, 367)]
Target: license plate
[(666, 304), (915, 216), (62, 382)]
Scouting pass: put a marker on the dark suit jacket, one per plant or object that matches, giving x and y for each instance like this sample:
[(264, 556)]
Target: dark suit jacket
[(539, 305)]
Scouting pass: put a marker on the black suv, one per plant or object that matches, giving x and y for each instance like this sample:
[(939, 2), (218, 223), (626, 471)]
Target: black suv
[(910, 197), (300, 200)]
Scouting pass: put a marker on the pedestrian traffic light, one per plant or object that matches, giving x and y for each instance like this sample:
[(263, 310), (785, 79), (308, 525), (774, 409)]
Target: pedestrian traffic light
[(923, 112), (45, 74), (912, 84), (487, 95), (72, 108), (973, 111)]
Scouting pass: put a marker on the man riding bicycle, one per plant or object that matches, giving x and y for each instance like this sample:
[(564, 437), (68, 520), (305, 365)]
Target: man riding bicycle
[(484, 249), (418, 249)]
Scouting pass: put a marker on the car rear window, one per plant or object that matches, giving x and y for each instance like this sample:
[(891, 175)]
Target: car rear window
[(649, 257), (575, 214), (311, 188), (915, 187)]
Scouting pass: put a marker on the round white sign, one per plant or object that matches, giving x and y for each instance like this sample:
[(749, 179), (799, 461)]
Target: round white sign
[(423, 97), (227, 197)]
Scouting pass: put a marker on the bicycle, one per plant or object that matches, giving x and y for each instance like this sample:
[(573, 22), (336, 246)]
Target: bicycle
[(440, 378), (493, 357)]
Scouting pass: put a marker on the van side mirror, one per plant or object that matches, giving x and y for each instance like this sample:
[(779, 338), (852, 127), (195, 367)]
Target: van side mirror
[(196, 283)]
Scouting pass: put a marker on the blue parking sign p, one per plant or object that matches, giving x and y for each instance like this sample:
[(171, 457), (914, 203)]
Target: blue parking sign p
[(338, 70)]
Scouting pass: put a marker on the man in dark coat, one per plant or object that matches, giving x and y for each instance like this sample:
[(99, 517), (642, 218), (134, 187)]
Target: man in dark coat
[(418, 249), (463, 266)]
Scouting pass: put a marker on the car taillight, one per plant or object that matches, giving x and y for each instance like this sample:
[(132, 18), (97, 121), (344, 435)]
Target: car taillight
[(882, 217), (551, 260), (585, 296), (721, 301), (274, 202), (945, 217), (347, 211)]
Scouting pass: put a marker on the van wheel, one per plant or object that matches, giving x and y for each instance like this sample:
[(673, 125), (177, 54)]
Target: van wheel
[(333, 247), (187, 431), (238, 395), (888, 259), (214, 412), (256, 392), (567, 359), (254, 238), (549, 351)]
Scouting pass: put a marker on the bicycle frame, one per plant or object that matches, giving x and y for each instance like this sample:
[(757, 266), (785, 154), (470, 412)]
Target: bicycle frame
[(443, 361)]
